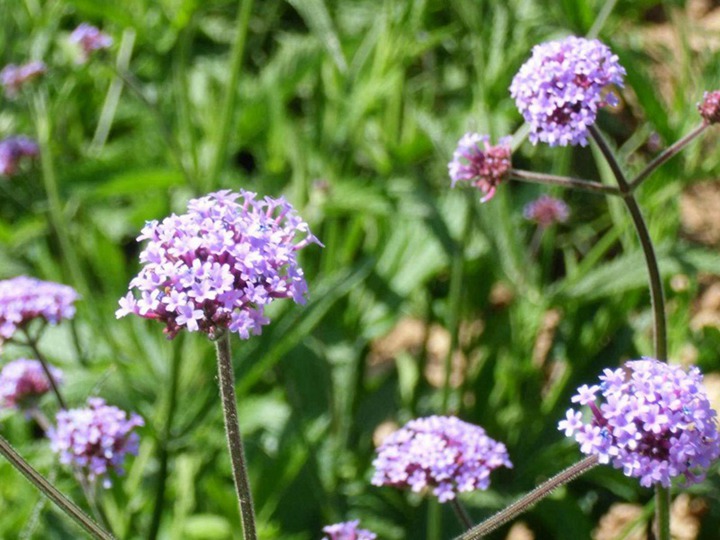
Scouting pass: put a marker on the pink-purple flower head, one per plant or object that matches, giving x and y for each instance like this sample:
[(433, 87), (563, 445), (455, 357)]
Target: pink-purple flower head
[(89, 39), (561, 87), (13, 150), (546, 211), (709, 107), (13, 78), (476, 161), (24, 299), (217, 266), (348, 530), (652, 420), (95, 439), (23, 382), (439, 452)]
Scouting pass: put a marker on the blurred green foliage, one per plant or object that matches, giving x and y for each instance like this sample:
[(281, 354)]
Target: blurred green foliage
[(352, 109)]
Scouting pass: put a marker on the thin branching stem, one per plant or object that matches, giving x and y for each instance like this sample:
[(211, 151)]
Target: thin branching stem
[(461, 513), (32, 343), (564, 181)]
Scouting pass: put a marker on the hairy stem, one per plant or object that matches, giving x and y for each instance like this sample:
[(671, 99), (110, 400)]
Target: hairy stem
[(234, 439), (564, 181)]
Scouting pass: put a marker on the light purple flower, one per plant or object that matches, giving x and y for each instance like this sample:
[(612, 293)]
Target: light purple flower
[(476, 161), (347, 530), (217, 266), (654, 421), (709, 107), (12, 77), (89, 39), (23, 382), (24, 299), (439, 452), (545, 211), (13, 150), (95, 439), (561, 87)]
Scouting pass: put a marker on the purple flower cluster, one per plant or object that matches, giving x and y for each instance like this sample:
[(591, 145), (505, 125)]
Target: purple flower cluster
[(561, 87), (13, 77), (476, 161), (95, 439), (441, 452), (13, 150), (347, 530), (654, 421), (709, 107), (24, 299), (220, 264), (89, 39), (546, 211), (23, 382)]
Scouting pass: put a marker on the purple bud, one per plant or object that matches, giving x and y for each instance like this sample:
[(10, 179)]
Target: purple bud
[(13, 77), (476, 161), (546, 211), (709, 107), (13, 150), (347, 530), (89, 39), (23, 382)]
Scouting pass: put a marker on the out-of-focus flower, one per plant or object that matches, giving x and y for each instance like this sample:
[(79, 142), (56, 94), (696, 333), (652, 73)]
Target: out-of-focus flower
[(23, 382), (476, 161), (95, 439), (89, 39), (24, 299), (441, 452), (217, 266), (347, 530), (13, 77), (709, 107), (654, 421), (561, 87), (546, 211), (13, 150)]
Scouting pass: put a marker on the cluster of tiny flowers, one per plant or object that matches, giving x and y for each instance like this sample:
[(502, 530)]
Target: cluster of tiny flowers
[(23, 299), (13, 150), (95, 439), (347, 530), (23, 382), (561, 87), (709, 107), (217, 266), (441, 452), (654, 422), (546, 211), (89, 39), (476, 161), (13, 77)]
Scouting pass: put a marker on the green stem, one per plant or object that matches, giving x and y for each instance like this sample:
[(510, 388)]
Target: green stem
[(231, 91), (65, 504), (32, 343), (529, 500), (601, 18), (234, 439), (461, 513), (563, 181), (662, 508)]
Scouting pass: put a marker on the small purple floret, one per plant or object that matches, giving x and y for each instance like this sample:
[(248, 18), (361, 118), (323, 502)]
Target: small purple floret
[(13, 150), (24, 299), (12, 77), (546, 211), (95, 439), (439, 452), (709, 107), (561, 87), (347, 530), (90, 39), (23, 382), (653, 421), (476, 161), (217, 266)]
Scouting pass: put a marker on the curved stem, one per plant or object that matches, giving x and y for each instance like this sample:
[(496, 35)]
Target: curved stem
[(32, 343), (461, 513), (667, 154), (65, 504), (526, 502), (564, 181), (234, 439)]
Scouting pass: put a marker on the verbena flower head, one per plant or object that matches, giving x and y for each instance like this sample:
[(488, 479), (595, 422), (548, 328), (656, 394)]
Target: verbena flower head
[(23, 382), (217, 266), (440, 452), (347, 530), (546, 211), (24, 299), (95, 439), (12, 77), (89, 39), (476, 161), (652, 420), (13, 150), (709, 107), (561, 87)]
